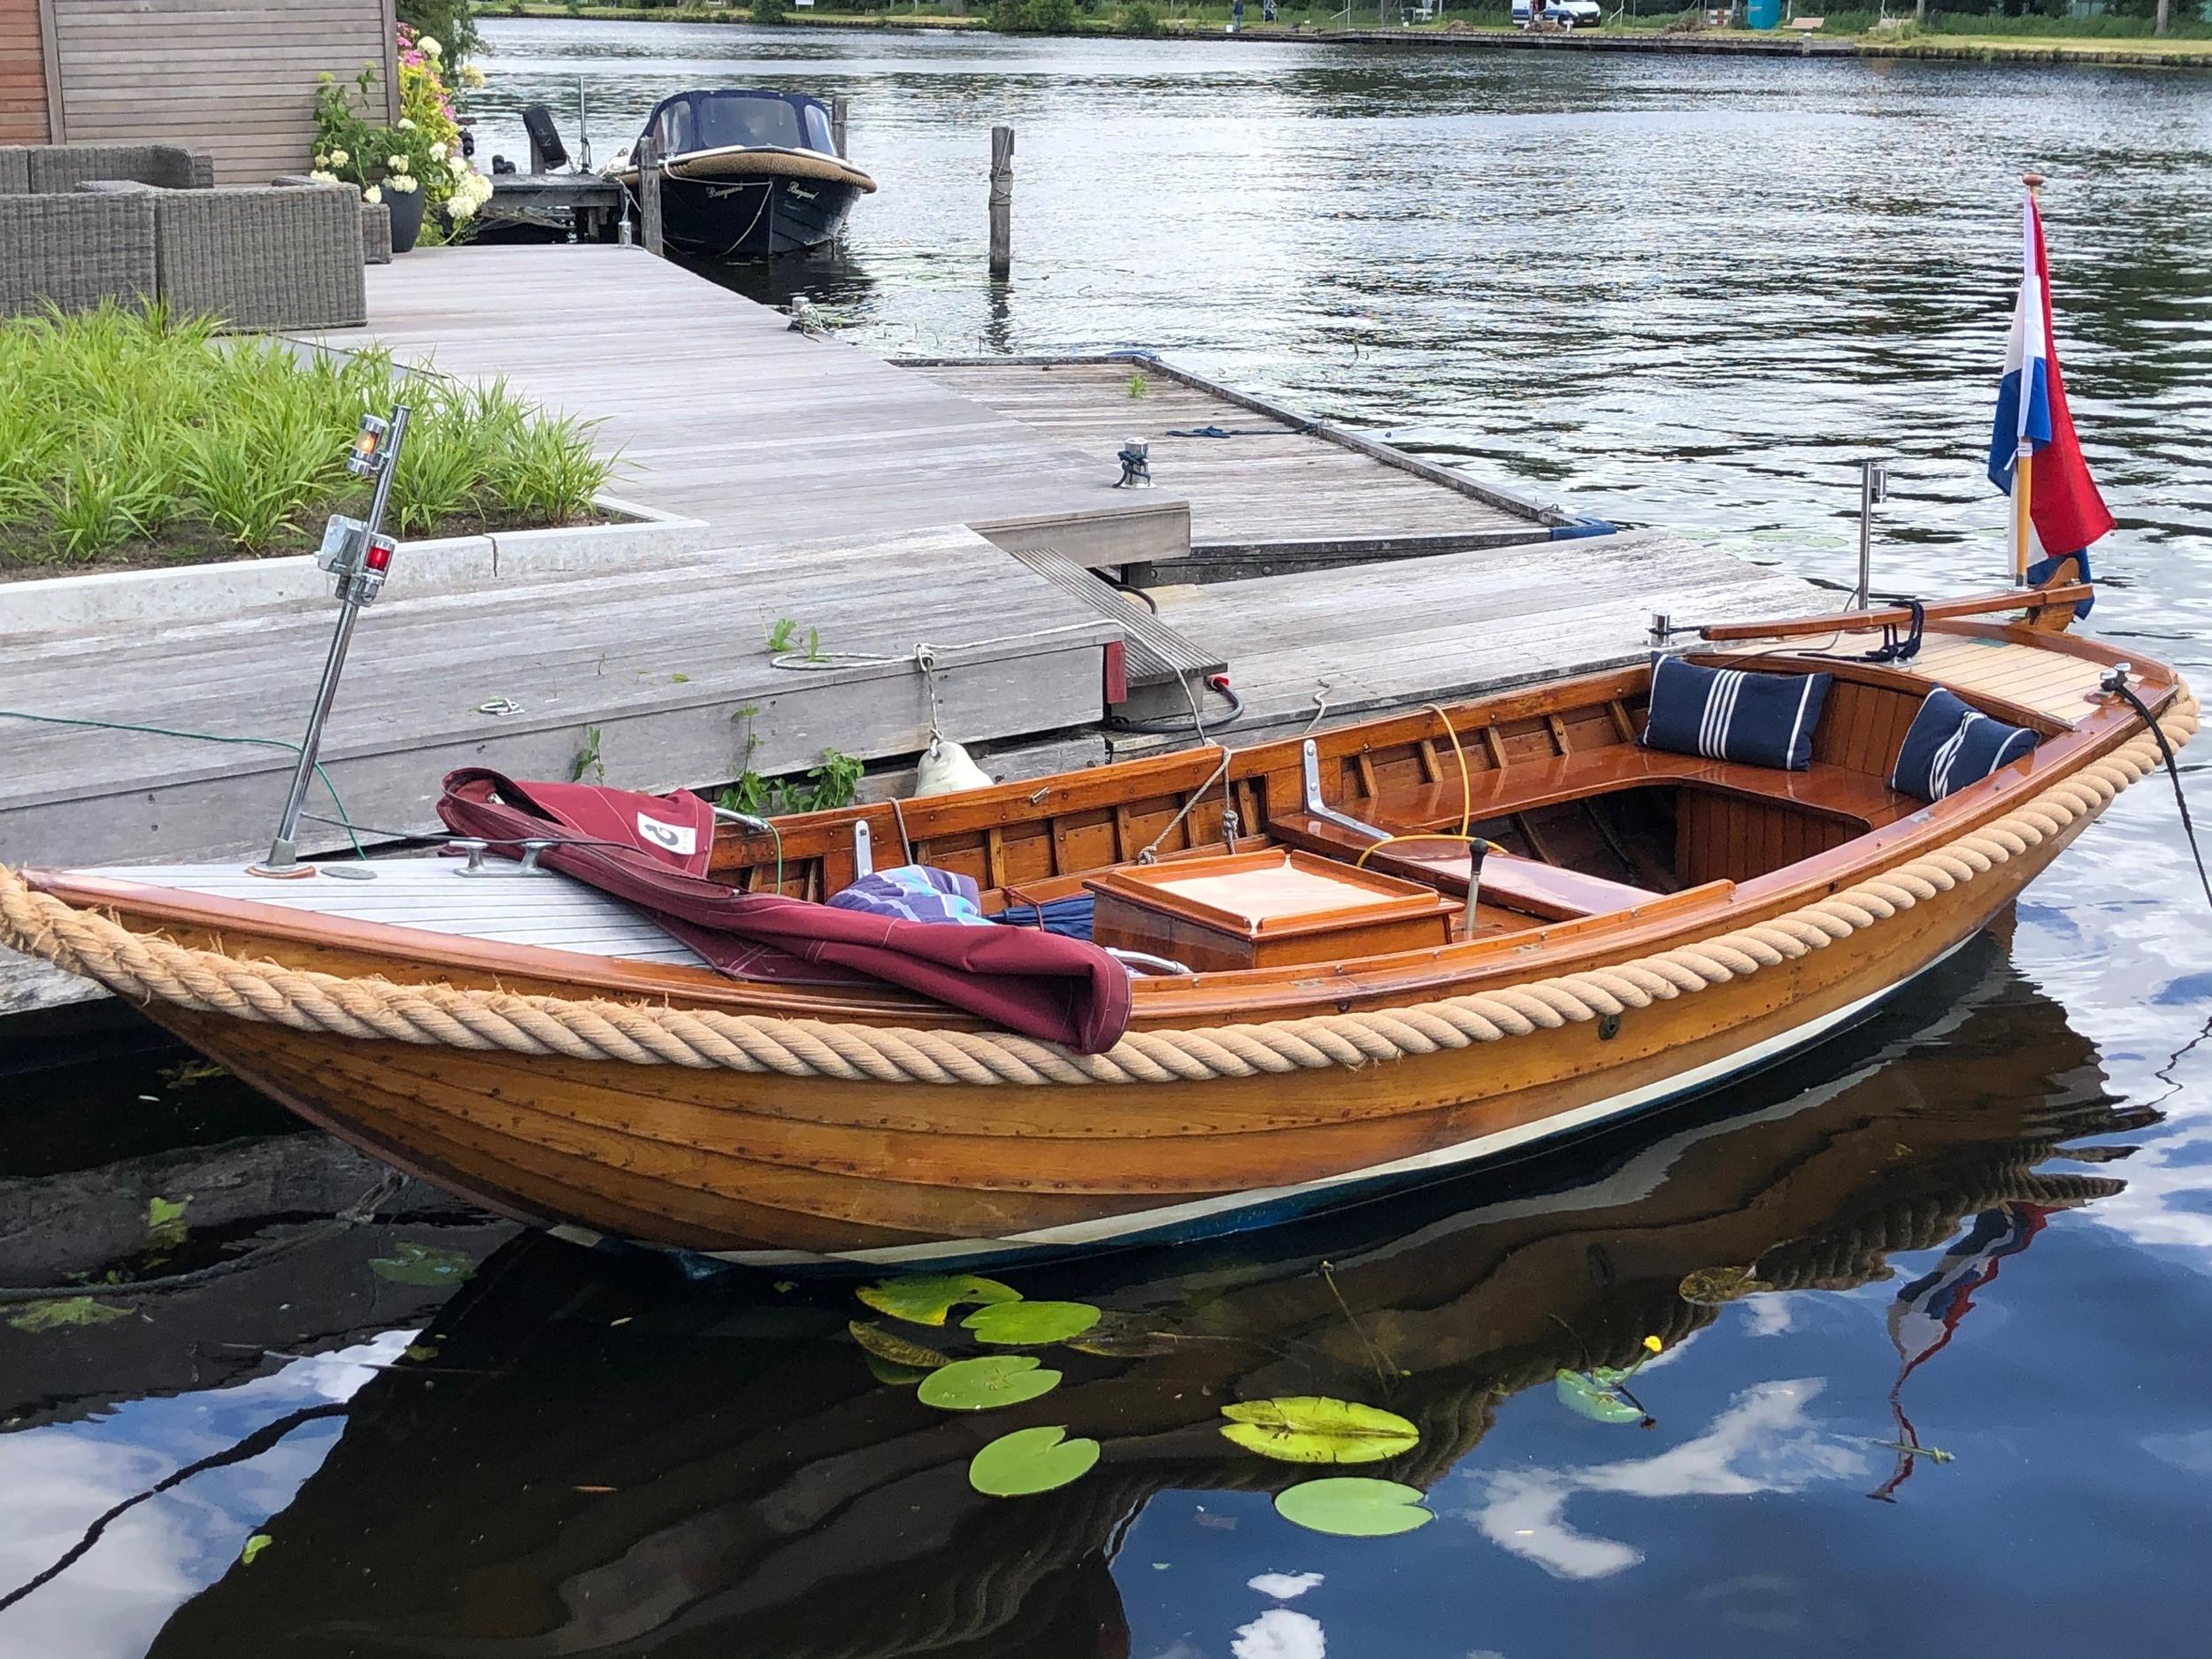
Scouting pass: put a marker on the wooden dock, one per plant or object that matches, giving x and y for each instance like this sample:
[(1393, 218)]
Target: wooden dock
[(880, 508), (1271, 489), (721, 410)]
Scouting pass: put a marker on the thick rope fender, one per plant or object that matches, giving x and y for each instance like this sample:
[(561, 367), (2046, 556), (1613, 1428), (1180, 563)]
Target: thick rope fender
[(145, 968)]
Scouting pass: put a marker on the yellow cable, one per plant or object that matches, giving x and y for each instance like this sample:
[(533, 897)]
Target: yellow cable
[(1425, 835), (1466, 787)]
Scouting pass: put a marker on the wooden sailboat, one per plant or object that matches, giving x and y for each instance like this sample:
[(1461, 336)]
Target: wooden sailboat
[(1325, 1013)]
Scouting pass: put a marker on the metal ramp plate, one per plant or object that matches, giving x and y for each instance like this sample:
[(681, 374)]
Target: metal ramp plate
[(1159, 661)]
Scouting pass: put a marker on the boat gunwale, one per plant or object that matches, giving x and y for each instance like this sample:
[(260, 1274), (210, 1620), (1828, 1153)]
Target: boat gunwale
[(1243, 996)]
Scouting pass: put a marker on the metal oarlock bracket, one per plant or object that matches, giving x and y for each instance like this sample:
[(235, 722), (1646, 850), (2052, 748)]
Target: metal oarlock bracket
[(358, 554)]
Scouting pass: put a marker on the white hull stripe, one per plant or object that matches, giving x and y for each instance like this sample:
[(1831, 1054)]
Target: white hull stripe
[(1167, 1218)]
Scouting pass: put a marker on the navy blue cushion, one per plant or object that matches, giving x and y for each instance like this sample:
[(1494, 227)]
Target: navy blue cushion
[(1727, 714), (1950, 746)]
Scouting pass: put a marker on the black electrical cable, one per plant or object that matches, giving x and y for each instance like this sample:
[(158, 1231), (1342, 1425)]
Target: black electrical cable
[(2116, 681), (1177, 723)]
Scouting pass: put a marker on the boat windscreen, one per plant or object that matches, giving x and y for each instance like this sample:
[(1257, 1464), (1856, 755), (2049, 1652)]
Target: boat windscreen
[(742, 120)]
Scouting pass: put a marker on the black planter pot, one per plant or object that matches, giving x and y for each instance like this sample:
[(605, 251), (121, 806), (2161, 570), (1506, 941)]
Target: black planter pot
[(406, 216)]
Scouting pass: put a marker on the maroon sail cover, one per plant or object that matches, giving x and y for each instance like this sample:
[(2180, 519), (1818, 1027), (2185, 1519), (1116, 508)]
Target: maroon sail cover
[(652, 851)]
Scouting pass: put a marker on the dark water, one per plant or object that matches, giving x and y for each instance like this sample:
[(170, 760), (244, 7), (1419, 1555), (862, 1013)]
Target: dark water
[(1677, 293)]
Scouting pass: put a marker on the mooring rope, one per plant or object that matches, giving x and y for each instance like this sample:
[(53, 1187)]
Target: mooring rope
[(147, 968)]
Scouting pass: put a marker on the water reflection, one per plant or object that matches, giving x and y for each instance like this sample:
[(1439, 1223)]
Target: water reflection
[(611, 1465)]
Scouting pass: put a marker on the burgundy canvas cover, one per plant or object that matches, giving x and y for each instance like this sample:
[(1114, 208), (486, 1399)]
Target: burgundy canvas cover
[(652, 851)]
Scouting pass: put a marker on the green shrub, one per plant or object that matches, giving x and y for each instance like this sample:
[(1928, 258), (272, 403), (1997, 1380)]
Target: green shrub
[(131, 433), (766, 11), (1141, 18)]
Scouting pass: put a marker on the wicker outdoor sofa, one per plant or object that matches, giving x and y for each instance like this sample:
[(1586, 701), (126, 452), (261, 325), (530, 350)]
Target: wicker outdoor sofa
[(84, 224)]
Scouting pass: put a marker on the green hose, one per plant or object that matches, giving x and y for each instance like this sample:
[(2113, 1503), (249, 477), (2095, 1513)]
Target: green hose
[(199, 737)]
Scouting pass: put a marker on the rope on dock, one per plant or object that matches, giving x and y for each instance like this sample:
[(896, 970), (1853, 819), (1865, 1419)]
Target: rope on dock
[(146, 968)]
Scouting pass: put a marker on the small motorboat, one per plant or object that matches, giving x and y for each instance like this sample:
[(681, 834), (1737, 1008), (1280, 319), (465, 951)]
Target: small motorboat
[(1371, 957), (745, 173)]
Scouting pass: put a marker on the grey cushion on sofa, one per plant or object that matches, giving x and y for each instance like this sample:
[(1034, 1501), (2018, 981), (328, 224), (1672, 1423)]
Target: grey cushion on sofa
[(64, 167), (75, 250)]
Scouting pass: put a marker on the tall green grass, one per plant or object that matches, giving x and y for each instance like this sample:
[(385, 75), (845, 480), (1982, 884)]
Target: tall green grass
[(138, 434)]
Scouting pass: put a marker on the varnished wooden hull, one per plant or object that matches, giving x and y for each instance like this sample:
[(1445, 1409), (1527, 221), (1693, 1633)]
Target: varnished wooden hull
[(769, 1167), (776, 1169)]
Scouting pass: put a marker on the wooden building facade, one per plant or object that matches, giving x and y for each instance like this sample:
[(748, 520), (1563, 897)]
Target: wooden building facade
[(236, 77)]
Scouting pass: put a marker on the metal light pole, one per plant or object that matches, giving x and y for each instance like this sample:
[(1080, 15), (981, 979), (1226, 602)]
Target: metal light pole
[(358, 554), (1873, 488)]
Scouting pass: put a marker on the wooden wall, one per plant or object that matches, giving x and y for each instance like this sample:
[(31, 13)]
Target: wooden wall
[(22, 74), (236, 77)]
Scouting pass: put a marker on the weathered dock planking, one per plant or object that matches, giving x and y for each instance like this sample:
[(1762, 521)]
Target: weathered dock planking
[(664, 664), (722, 411), (1326, 646), (1279, 491)]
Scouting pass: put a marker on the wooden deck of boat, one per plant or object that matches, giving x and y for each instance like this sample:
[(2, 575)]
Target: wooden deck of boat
[(1273, 485)]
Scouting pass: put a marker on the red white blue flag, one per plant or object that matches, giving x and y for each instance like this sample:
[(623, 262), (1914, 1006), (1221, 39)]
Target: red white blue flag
[(2064, 506)]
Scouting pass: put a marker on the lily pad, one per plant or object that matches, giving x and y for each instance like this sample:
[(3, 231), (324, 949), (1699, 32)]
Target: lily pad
[(986, 1383), (422, 1264), (67, 1310), (1353, 1506), (255, 1544), (1314, 1429), (1029, 1324), (896, 1376), (894, 1350), (1710, 1286), (1594, 1394), (927, 1298), (1030, 1460)]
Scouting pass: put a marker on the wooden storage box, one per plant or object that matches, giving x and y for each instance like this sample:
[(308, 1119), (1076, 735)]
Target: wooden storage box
[(1263, 910)]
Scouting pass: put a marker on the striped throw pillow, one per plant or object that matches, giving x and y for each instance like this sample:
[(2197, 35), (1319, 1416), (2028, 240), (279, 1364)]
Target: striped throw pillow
[(1950, 746), (1727, 714)]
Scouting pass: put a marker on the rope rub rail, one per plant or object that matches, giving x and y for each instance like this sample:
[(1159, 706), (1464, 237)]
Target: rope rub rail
[(147, 968)]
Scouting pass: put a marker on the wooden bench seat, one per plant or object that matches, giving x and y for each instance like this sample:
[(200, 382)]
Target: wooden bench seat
[(1508, 881), (1834, 791)]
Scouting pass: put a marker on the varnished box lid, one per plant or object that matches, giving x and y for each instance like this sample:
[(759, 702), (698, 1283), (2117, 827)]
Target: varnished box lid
[(1271, 894)]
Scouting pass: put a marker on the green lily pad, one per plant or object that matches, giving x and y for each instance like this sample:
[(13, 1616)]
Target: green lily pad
[(893, 1349), (1030, 1460), (422, 1264), (255, 1544), (1314, 1429), (986, 1383), (1029, 1324), (1594, 1394), (67, 1310), (896, 1376), (1710, 1286), (927, 1298), (1353, 1506)]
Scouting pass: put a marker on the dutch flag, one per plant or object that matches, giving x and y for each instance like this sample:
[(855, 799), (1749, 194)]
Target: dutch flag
[(2064, 509)]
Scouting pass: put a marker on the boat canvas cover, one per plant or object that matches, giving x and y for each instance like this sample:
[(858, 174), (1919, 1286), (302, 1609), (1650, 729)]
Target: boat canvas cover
[(653, 851)]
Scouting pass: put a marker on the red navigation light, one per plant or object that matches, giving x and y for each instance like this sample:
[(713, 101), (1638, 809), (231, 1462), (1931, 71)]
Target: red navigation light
[(379, 558)]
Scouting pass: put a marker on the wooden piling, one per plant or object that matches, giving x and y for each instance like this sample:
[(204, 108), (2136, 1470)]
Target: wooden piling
[(1001, 201), (840, 109), (648, 194)]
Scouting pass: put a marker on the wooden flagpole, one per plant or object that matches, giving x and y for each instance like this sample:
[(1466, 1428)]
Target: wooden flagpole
[(2024, 462)]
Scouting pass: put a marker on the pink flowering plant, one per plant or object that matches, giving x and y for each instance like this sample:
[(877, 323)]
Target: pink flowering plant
[(421, 150)]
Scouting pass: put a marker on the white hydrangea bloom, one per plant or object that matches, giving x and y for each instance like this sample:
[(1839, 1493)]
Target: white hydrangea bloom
[(372, 195)]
